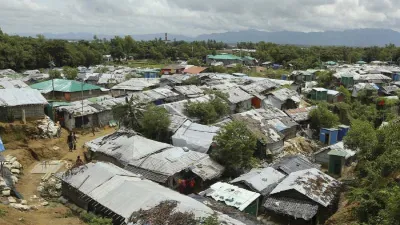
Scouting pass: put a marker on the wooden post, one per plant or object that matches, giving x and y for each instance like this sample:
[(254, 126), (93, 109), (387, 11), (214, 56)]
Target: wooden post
[(23, 116)]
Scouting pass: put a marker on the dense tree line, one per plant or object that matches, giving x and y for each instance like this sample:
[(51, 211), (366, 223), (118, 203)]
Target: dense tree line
[(20, 53)]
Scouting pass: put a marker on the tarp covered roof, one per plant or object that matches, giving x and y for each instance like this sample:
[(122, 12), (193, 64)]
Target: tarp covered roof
[(196, 137), (261, 180), (15, 97), (61, 85), (125, 193), (232, 195), (312, 183), (195, 70)]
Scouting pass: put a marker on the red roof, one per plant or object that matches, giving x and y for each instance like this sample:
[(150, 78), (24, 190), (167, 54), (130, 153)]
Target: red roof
[(195, 70)]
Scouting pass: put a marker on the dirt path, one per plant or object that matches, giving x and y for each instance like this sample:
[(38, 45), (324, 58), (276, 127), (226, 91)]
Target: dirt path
[(45, 149)]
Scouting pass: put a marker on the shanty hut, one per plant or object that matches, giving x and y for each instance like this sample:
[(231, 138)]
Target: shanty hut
[(154, 160), (21, 104), (115, 193), (67, 90), (306, 195), (239, 198), (260, 180)]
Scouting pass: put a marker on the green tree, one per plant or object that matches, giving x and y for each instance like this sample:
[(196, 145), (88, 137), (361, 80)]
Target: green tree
[(70, 73), (207, 112), (235, 147), (150, 120), (362, 136), (194, 62), (321, 117), (54, 74), (92, 219), (324, 78), (155, 122), (346, 93)]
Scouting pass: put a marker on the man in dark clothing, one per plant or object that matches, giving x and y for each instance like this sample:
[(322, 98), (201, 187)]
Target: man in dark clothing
[(74, 140), (70, 141)]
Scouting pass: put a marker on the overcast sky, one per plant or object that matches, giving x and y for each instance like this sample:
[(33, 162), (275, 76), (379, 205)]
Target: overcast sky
[(193, 17)]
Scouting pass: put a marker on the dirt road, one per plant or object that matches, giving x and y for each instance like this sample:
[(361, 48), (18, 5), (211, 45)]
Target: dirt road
[(31, 153)]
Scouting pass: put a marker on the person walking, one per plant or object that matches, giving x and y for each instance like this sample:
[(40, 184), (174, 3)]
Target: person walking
[(93, 130), (74, 140), (70, 141)]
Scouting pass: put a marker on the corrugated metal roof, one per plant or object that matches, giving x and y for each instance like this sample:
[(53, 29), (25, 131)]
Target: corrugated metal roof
[(124, 193), (262, 180), (174, 160), (339, 150), (137, 84), (300, 114), (237, 95), (191, 91), (63, 86), (312, 183), (196, 137), (293, 163), (293, 207), (25, 96), (232, 195), (126, 146), (7, 84), (284, 94), (195, 70)]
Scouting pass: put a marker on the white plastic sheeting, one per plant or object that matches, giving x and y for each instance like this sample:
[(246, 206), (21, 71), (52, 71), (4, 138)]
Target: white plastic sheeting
[(16, 97), (124, 193), (233, 196), (194, 136)]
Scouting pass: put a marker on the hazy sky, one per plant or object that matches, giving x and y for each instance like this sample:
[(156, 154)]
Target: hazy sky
[(193, 17)]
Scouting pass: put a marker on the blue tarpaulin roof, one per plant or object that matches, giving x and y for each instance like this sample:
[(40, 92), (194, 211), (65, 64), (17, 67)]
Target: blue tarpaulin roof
[(1, 145)]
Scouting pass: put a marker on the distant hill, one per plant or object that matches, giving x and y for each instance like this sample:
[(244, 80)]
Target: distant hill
[(357, 37)]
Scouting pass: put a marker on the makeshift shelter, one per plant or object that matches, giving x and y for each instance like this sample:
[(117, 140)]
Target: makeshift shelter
[(67, 90), (305, 194), (154, 160), (134, 85), (283, 99), (293, 163), (194, 136), (241, 199), (260, 180), (21, 104), (110, 191)]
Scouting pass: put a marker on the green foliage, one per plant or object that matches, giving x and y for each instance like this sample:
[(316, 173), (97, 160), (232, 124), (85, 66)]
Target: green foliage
[(207, 112), (155, 122), (362, 136), (70, 73), (346, 93), (21, 53), (377, 192), (194, 80), (217, 69), (324, 79), (235, 147), (211, 220), (3, 212), (92, 219), (194, 62), (55, 74), (150, 120), (321, 117)]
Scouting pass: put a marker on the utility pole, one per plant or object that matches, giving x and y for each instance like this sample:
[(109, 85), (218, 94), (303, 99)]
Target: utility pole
[(82, 103), (51, 64)]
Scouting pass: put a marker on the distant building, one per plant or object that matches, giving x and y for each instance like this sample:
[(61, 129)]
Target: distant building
[(226, 59)]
